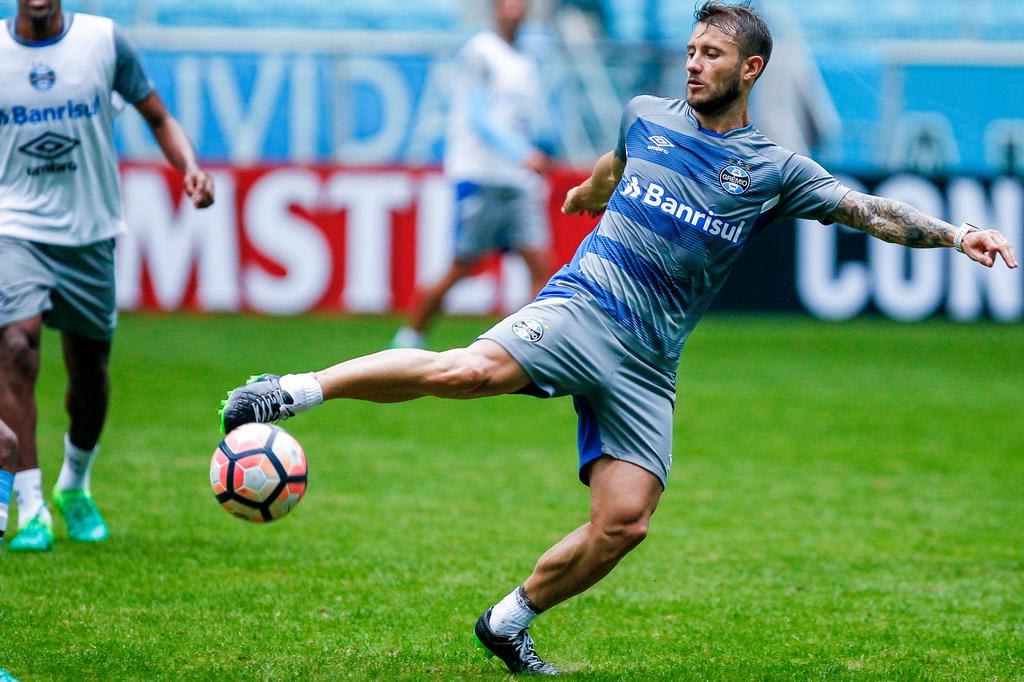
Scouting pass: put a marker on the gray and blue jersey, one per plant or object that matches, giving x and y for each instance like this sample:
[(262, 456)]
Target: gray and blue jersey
[(689, 202)]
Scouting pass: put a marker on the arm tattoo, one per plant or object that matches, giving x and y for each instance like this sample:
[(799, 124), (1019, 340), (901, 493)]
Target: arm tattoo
[(892, 221)]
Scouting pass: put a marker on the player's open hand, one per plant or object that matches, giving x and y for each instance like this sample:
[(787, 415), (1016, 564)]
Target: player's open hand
[(576, 202), (983, 245), (199, 187)]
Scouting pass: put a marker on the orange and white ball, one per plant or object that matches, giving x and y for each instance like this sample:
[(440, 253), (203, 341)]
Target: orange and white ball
[(258, 472)]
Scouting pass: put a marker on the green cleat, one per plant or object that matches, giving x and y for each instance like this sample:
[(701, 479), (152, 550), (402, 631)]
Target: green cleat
[(36, 536), (85, 524), (6, 676)]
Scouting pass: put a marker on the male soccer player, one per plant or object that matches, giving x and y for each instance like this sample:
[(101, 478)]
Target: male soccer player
[(60, 208), (492, 162), (690, 182)]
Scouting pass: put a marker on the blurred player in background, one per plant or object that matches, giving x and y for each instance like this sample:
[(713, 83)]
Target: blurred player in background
[(492, 162), (60, 209), (689, 183)]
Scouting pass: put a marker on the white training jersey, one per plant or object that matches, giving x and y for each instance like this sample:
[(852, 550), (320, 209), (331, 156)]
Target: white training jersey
[(59, 181), (495, 102)]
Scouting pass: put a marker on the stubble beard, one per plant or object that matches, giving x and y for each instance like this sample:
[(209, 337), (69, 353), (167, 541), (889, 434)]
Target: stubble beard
[(721, 101)]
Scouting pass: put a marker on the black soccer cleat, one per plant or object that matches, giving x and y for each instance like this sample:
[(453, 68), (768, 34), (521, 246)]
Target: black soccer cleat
[(261, 400), (516, 652)]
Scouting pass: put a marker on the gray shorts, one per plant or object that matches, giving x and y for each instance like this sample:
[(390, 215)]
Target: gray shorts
[(497, 219), (72, 287), (624, 404)]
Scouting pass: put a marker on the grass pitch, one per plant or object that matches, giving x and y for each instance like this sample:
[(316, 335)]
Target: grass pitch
[(847, 502)]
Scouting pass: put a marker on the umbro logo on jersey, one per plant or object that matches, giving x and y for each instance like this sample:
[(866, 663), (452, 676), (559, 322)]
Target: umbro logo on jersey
[(42, 77), (659, 143), (48, 146)]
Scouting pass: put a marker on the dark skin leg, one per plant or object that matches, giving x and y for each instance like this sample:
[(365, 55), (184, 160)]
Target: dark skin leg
[(8, 449), (88, 392), (19, 368)]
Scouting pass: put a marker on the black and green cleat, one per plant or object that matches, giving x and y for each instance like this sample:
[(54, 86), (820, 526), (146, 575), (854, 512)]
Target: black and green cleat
[(260, 400)]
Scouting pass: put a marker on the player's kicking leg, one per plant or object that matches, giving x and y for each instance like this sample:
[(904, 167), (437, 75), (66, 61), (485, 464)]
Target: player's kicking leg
[(86, 400), (390, 376)]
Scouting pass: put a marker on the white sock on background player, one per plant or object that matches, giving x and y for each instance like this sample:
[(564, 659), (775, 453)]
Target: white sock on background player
[(77, 467), (28, 488), (513, 614), (407, 337), (304, 389)]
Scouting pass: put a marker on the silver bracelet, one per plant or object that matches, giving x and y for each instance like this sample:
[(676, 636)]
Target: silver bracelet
[(958, 240)]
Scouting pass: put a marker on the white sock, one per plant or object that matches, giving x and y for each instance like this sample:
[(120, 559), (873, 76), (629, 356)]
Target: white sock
[(77, 467), (6, 484), (513, 614), (407, 337), (28, 488), (304, 389)]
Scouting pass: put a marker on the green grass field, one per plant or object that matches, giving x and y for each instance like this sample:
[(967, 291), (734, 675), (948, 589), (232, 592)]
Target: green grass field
[(847, 502)]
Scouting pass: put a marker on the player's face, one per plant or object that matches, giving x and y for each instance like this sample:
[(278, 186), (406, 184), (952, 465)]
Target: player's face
[(713, 70), (510, 12), (38, 10)]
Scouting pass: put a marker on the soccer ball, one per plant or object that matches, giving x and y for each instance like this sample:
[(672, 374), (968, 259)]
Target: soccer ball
[(258, 472)]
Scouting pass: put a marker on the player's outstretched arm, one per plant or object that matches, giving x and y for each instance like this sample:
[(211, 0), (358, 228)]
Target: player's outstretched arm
[(593, 194), (177, 148), (900, 223)]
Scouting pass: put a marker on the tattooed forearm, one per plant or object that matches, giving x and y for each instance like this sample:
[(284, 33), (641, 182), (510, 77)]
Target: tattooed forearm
[(892, 221)]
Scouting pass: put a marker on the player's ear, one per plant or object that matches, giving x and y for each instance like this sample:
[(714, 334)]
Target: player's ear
[(753, 67)]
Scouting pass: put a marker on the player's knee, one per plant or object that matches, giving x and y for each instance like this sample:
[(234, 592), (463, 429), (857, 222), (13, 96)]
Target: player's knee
[(20, 356), (621, 532), (458, 372)]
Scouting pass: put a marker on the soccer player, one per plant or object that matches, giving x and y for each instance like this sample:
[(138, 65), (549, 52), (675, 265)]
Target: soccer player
[(689, 184), (492, 162), (60, 209)]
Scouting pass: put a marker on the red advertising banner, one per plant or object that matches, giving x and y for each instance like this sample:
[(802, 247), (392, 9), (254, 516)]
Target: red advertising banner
[(287, 239)]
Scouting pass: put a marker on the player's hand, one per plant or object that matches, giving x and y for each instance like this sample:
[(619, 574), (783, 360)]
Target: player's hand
[(576, 203), (983, 245), (538, 162), (199, 187)]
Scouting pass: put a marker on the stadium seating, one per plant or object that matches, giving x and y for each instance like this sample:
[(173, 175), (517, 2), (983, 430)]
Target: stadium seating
[(395, 15), (825, 22), (625, 20)]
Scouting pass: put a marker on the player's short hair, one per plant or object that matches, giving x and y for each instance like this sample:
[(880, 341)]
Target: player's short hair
[(740, 21)]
